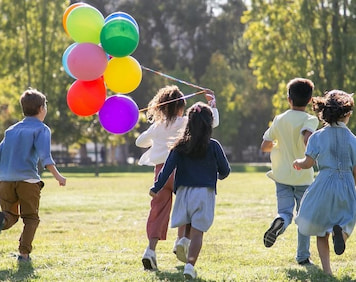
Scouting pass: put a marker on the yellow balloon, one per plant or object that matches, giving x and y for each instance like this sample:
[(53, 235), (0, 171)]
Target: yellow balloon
[(123, 75)]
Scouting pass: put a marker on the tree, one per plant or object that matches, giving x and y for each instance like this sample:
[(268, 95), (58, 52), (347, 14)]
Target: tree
[(303, 38)]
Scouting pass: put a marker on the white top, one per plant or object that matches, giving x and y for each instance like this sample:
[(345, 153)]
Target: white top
[(159, 139)]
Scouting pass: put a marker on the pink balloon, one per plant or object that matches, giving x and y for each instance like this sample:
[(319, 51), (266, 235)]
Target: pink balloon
[(87, 61), (119, 114)]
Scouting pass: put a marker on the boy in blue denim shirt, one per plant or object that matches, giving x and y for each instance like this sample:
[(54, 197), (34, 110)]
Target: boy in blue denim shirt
[(25, 144)]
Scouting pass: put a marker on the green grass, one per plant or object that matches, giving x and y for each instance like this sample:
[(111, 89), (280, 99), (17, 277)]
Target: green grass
[(94, 230)]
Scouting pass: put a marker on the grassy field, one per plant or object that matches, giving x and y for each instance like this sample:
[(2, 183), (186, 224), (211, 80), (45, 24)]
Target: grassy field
[(94, 230)]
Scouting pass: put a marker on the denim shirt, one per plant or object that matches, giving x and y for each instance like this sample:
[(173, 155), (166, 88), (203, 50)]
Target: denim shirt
[(24, 144)]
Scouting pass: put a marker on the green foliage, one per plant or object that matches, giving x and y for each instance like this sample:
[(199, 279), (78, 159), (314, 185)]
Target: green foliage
[(94, 229), (302, 39)]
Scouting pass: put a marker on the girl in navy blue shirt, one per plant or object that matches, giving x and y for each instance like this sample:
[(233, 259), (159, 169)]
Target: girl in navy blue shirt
[(199, 161)]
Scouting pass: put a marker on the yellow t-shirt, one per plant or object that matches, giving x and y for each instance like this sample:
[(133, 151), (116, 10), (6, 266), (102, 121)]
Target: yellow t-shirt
[(286, 134)]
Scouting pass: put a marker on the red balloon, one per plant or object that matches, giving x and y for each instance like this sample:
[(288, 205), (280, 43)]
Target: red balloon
[(85, 98)]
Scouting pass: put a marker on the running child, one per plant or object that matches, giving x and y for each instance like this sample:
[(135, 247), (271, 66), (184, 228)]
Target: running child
[(198, 161)]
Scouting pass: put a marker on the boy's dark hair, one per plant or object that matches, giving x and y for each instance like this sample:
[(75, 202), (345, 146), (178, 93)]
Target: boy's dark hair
[(300, 91), (167, 112), (335, 105), (31, 101), (196, 137)]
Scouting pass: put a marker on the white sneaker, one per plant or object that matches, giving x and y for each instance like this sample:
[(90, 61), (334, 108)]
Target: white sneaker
[(149, 259), (182, 249), (189, 271)]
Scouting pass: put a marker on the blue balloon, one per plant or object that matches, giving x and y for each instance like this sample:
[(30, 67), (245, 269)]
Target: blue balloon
[(121, 15), (65, 59)]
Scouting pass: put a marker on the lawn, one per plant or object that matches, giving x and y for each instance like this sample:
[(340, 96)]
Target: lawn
[(94, 230)]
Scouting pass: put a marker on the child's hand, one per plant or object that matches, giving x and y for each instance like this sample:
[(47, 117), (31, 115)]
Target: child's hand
[(296, 165), (210, 97), (62, 181), (152, 194)]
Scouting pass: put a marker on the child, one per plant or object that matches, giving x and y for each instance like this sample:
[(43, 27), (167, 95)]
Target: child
[(168, 122), (286, 139), (24, 144), (329, 204), (198, 160)]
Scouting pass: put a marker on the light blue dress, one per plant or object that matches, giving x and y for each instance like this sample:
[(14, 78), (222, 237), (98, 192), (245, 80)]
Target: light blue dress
[(331, 199)]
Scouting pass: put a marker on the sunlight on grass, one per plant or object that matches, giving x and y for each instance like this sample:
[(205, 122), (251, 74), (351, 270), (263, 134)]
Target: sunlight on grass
[(94, 229)]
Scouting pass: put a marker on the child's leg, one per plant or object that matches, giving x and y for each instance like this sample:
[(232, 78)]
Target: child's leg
[(303, 252), (158, 219), (324, 253), (9, 202), (29, 198), (196, 237)]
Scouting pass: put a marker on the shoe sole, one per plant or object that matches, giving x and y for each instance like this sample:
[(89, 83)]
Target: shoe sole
[(272, 233), (181, 254), (338, 240), (148, 265)]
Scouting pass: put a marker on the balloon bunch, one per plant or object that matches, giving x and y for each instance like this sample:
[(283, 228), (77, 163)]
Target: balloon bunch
[(99, 59)]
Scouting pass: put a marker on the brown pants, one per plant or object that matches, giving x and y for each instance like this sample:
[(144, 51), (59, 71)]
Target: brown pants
[(158, 218), (15, 195)]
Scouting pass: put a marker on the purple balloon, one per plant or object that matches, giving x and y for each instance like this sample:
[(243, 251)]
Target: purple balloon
[(119, 114)]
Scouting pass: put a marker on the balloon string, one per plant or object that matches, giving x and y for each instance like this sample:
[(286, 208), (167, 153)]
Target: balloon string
[(174, 100), (172, 78)]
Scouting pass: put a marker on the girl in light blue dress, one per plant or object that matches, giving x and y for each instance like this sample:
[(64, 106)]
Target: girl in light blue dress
[(329, 204)]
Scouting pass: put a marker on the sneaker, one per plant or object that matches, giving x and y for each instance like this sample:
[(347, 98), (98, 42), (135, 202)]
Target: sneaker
[(2, 220), (175, 246), (273, 232), (189, 271), (149, 260), (306, 262), (21, 259), (338, 240), (182, 249)]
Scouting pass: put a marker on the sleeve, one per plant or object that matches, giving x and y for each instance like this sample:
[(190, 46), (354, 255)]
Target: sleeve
[(312, 149), (223, 164), (269, 133), (42, 145), (215, 117), (311, 124), (166, 171), (144, 140)]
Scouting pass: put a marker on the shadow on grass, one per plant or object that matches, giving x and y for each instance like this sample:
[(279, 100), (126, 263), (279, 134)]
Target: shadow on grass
[(23, 272), (169, 276), (314, 273)]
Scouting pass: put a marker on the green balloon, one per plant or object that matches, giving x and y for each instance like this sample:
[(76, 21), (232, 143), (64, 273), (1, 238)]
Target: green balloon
[(119, 37), (84, 24)]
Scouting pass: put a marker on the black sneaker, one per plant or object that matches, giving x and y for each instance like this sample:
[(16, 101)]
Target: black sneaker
[(338, 240), (306, 262), (272, 233), (2, 220)]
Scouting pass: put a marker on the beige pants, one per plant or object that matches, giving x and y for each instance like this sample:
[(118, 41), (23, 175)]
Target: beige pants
[(19, 198)]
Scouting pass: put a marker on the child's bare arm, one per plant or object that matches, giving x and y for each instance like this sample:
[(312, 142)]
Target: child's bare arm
[(306, 135), (305, 163), (61, 180), (266, 146)]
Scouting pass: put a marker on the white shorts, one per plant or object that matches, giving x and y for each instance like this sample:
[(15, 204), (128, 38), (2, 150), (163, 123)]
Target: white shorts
[(194, 205)]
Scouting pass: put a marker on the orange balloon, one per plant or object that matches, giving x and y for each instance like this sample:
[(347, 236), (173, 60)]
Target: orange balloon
[(66, 13)]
